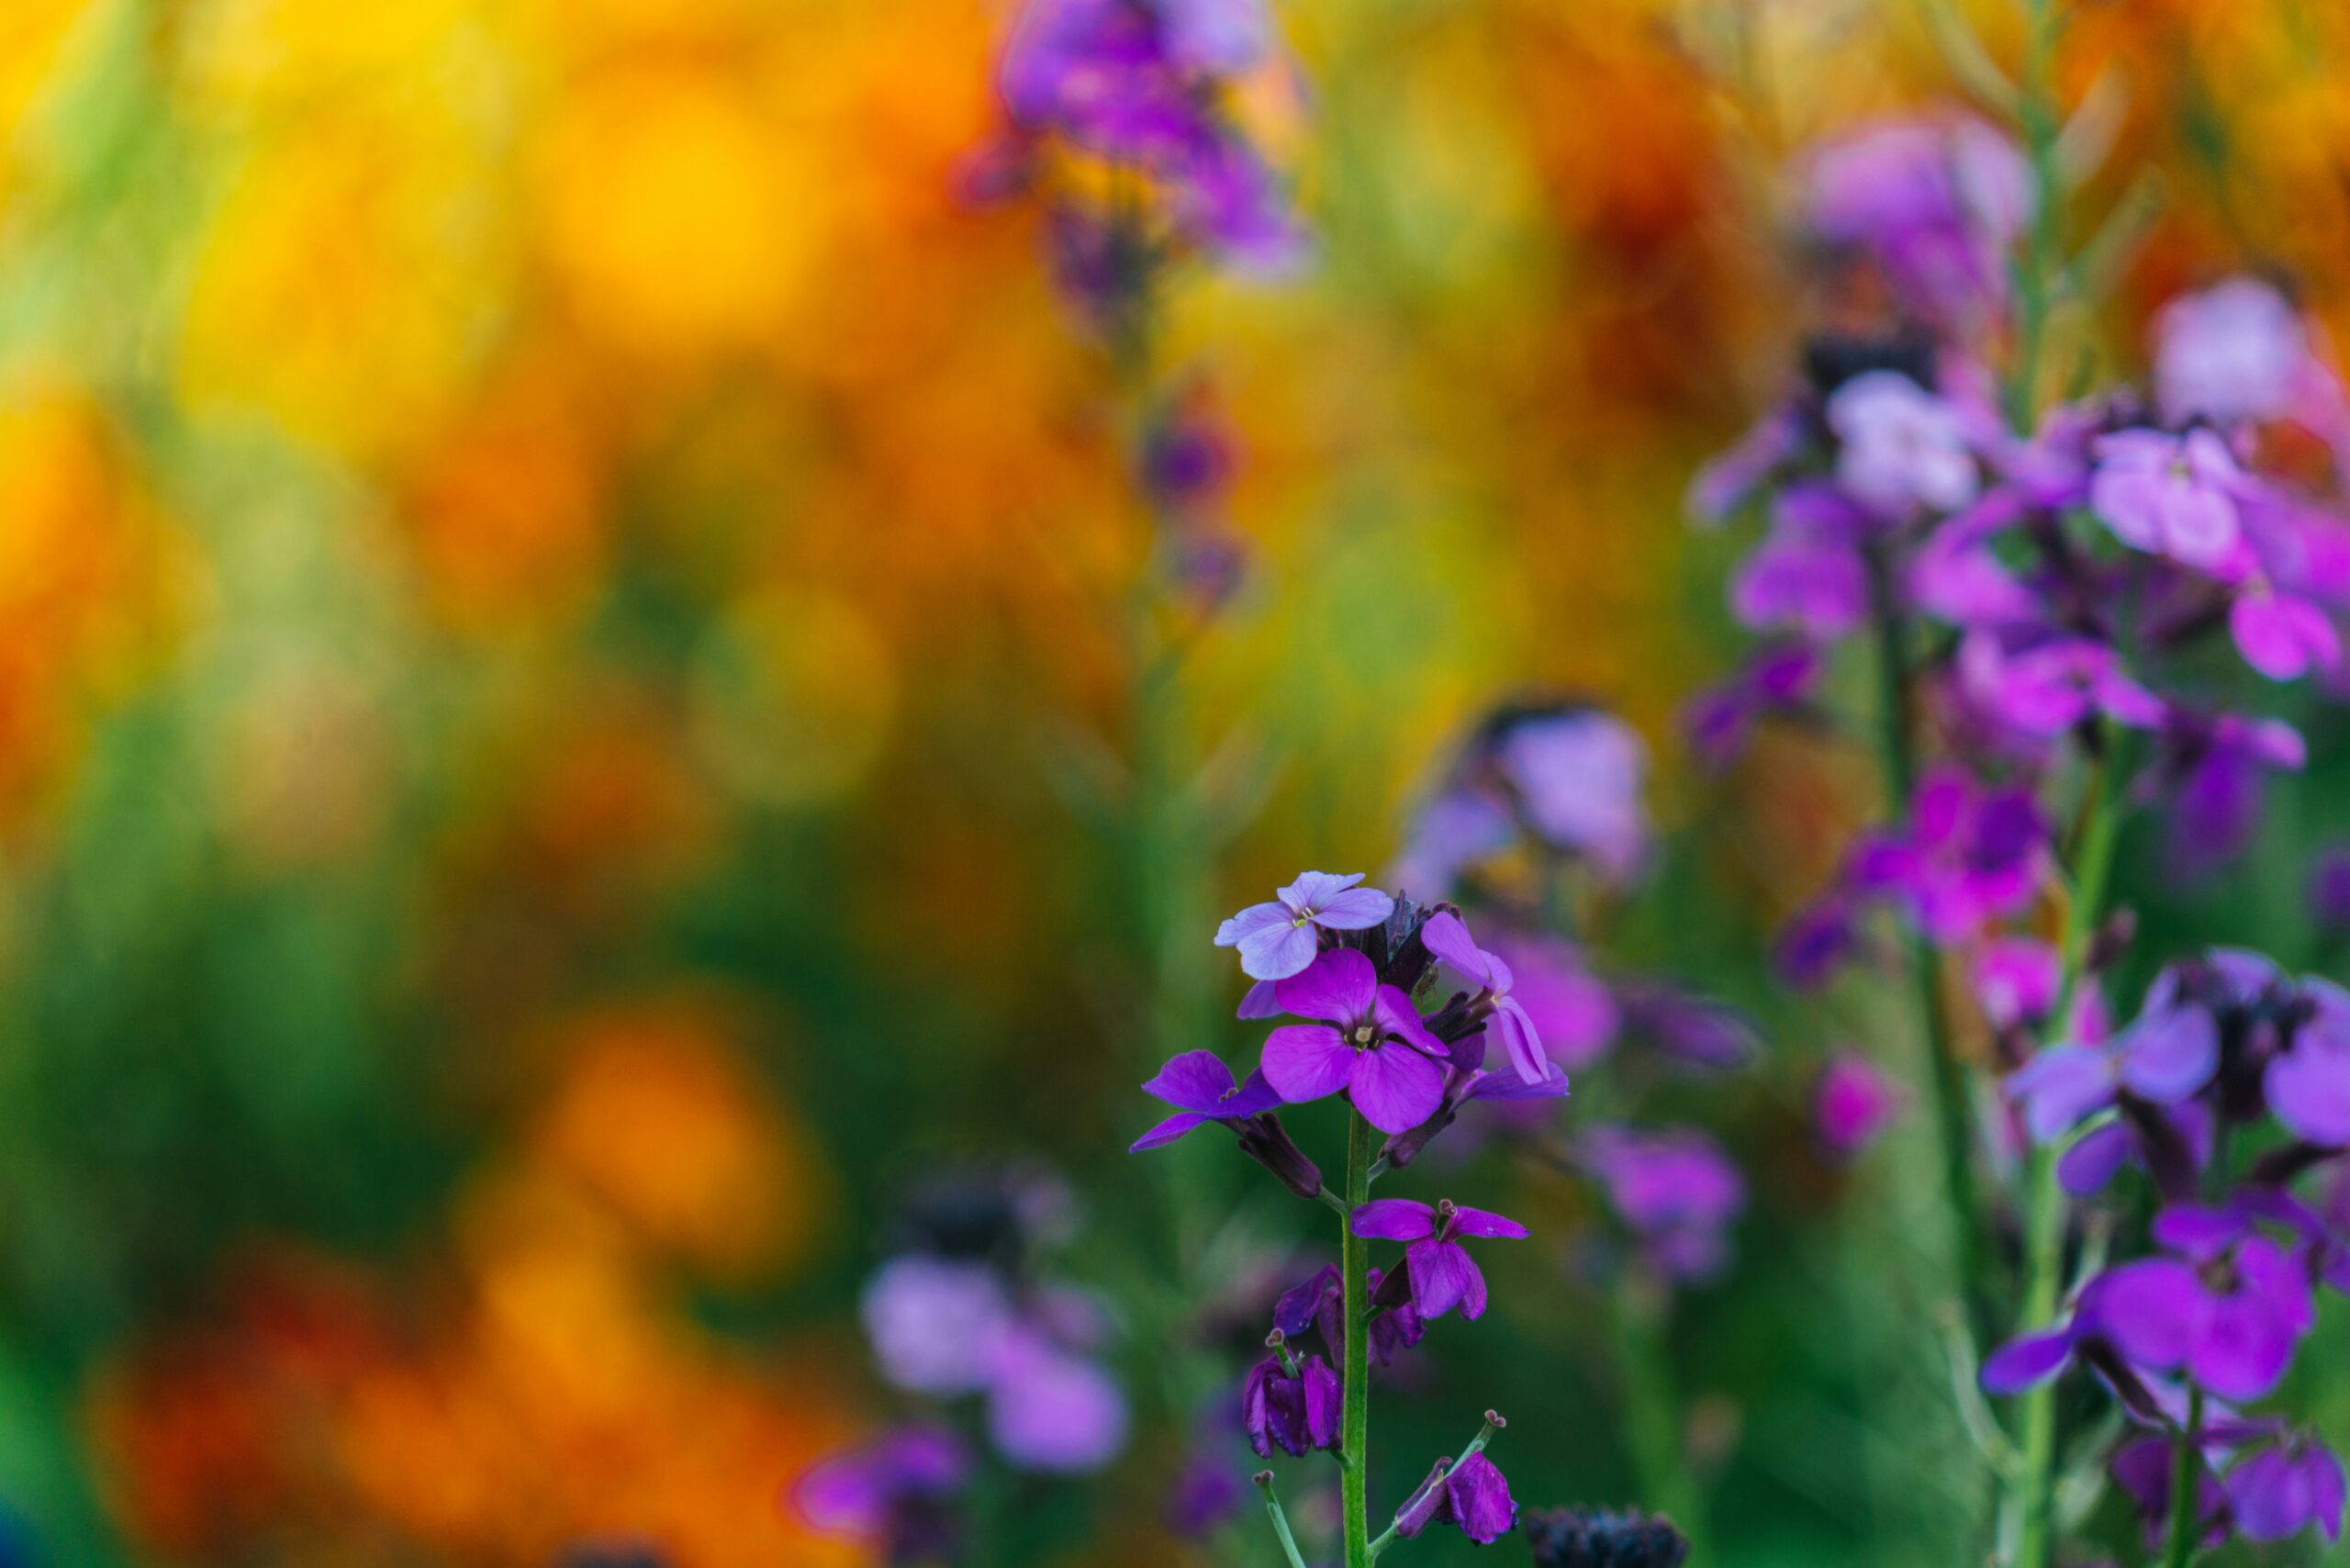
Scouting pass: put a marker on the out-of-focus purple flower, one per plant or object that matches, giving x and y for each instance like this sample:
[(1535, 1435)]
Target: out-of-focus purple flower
[(2167, 1054), (1370, 1043), (2282, 635), (1968, 854), (1459, 827), (1934, 202), (898, 1492), (1674, 1188), (1900, 449), (1808, 575), (1051, 1411), (1207, 1494), (2307, 1085), (1727, 482), (2016, 979), (2212, 772), (1295, 1411), (1854, 1102), (2172, 494), (1579, 777), (1778, 680), (1689, 1029), (1200, 1086), (2044, 689), (1572, 1010), (2329, 889), (1448, 939), (1602, 1538), (1440, 1275), (2236, 352), (2281, 1491), (2228, 1307), (2142, 1468), (936, 1324), (1279, 939), (1472, 1494), (1956, 575), (1816, 942)]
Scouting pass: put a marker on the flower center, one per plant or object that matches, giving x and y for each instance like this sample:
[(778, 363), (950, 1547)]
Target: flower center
[(1364, 1034)]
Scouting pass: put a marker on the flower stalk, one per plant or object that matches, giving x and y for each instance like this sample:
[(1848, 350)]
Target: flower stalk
[(1354, 1265), (2186, 1523)]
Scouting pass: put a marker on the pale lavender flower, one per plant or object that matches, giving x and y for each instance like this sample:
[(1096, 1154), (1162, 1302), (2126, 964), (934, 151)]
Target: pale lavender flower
[(1900, 449), (2173, 496), (1935, 202), (1051, 1411), (2236, 352), (1578, 776), (1279, 939), (935, 1324)]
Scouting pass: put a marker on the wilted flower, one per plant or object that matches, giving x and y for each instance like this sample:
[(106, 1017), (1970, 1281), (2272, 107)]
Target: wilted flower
[(1472, 1494), (1438, 1273), (1294, 1405)]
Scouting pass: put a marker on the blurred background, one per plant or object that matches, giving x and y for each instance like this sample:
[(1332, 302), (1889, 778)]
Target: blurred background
[(569, 735)]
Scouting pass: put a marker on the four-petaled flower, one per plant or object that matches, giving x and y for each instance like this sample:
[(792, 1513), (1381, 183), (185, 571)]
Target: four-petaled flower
[(1200, 1086), (1278, 939), (1440, 1273), (1449, 940), (1370, 1043), (2171, 495)]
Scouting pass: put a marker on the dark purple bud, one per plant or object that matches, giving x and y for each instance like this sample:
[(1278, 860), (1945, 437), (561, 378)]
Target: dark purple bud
[(1599, 1538), (1264, 1140), (1426, 1504)]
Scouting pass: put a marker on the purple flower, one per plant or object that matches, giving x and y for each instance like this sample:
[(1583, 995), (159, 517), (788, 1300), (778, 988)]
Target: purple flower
[(2042, 690), (935, 1324), (1448, 939), (1728, 481), (1051, 1411), (2142, 1469), (1459, 827), (1207, 1494), (2228, 1307), (2171, 495), (1900, 449), (1934, 202), (1279, 939), (2329, 889), (1200, 1086), (1806, 577), (1296, 1411), (2168, 1054), (1720, 718), (2235, 352), (2016, 979), (1440, 1273), (1674, 1188), (1319, 1303), (2213, 768), (1815, 943), (1571, 1008), (1967, 856), (2280, 1491), (1579, 777), (1472, 1494), (1853, 1104), (897, 1491), (1600, 1538), (1370, 1043), (2282, 635), (2307, 1084)]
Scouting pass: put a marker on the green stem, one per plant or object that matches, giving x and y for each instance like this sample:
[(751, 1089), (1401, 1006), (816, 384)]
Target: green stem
[(2038, 275), (1897, 743), (1354, 1442), (2044, 1201), (1264, 1479), (2186, 1485), (1653, 1410)]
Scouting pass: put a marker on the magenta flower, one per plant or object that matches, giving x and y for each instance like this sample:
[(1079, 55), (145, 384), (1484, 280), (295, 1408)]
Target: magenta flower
[(2228, 1307), (1279, 939), (1900, 449), (2282, 635), (1449, 940), (2282, 1490), (1934, 202), (1472, 1494), (1779, 680), (1440, 1275), (1853, 1104), (1370, 1043), (2016, 979), (1968, 855), (2042, 690), (2173, 496), (1200, 1086), (897, 1492)]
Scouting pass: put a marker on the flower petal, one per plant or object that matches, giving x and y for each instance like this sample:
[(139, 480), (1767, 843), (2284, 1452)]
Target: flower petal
[(1396, 1087), (1314, 889), (1196, 1080), (1479, 1500), (1277, 952), (1440, 1272), (1166, 1132), (1448, 939), (1519, 1042), (1467, 1221), (1249, 922), (2152, 1310), (1358, 909), (1307, 1061), (1398, 1019), (2027, 1360), (1337, 988), (1393, 1219), (2169, 1054)]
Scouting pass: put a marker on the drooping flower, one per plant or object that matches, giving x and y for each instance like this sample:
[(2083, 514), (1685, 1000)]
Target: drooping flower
[(1319, 1303), (1604, 1538), (1295, 1411), (1370, 1043), (1200, 1086), (1440, 1275), (1448, 939), (1854, 1102), (2282, 1490), (1279, 939), (1472, 1494)]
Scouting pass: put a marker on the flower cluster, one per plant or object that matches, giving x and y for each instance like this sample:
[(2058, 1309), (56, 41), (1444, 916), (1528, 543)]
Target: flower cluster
[(958, 1312), (2075, 613)]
